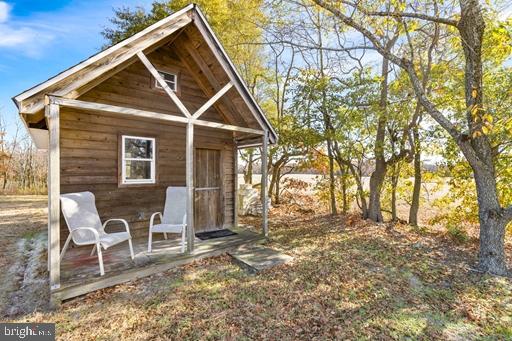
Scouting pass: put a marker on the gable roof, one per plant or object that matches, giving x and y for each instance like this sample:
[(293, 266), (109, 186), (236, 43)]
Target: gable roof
[(71, 82)]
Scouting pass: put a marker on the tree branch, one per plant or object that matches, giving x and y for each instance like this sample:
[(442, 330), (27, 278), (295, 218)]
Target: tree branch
[(409, 15), (507, 214), (395, 158), (421, 16), (404, 63), (461, 139), (311, 47)]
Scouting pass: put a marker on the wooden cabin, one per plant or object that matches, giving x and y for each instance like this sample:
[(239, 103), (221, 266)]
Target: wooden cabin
[(170, 88)]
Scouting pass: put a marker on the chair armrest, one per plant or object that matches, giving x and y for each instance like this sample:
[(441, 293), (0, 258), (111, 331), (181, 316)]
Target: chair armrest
[(152, 219), (94, 232), (121, 220)]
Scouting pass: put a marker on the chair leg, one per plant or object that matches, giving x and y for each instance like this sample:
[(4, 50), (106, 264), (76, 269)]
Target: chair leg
[(165, 236), (131, 248), (150, 239), (100, 259), (66, 244), (93, 249)]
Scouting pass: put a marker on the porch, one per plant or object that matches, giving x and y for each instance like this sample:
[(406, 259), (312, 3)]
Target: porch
[(80, 271)]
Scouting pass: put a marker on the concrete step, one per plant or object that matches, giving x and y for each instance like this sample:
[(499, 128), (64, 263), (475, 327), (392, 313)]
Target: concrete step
[(255, 258)]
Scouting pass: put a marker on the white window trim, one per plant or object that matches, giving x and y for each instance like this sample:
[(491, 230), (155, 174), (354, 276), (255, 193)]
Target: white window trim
[(125, 181), (158, 86)]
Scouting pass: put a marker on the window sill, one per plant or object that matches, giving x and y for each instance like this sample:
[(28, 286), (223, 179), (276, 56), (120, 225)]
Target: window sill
[(130, 185)]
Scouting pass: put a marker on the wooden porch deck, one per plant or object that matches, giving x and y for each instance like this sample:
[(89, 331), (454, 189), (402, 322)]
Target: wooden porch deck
[(80, 271)]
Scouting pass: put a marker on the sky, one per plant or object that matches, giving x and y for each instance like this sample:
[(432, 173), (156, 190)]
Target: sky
[(40, 38)]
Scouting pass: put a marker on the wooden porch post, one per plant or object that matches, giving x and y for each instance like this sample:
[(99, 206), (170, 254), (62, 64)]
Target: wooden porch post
[(264, 197), (189, 170), (235, 184), (52, 115)]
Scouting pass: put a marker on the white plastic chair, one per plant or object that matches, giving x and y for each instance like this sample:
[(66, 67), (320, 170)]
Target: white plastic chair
[(85, 228), (174, 219)]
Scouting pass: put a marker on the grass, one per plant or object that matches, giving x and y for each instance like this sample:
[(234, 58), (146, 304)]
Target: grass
[(349, 280)]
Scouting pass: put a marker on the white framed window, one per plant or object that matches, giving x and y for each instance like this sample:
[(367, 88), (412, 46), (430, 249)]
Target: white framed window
[(137, 160), (170, 78)]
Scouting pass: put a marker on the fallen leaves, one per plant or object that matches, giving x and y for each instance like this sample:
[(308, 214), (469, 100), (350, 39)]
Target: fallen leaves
[(359, 281)]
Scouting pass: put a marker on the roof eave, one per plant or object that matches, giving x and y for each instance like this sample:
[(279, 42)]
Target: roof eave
[(16, 102), (77, 67)]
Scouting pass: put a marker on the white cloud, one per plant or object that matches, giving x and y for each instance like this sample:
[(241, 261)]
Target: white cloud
[(4, 11), (24, 39), (10, 37), (75, 26), (20, 37)]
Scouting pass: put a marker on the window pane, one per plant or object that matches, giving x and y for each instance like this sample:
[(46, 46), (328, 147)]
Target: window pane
[(138, 170), (169, 78), (138, 148)]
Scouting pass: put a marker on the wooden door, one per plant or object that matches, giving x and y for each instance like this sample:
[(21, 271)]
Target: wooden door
[(209, 206)]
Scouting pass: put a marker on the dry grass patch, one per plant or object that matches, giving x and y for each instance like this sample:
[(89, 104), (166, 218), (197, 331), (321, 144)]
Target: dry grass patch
[(349, 280)]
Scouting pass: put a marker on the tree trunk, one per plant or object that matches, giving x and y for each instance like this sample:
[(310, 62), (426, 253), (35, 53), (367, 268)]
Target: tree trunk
[(277, 196), (248, 171), (416, 191), (394, 216), (344, 191), (379, 174), (394, 184), (492, 225), (273, 179), (362, 197), (360, 191), (332, 180), (376, 182), (328, 132), (359, 185), (357, 177)]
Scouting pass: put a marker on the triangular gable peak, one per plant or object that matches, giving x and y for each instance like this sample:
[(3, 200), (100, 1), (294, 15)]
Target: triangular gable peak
[(191, 38)]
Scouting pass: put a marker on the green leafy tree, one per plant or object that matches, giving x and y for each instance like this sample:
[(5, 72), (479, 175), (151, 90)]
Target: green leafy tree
[(471, 129), (237, 23)]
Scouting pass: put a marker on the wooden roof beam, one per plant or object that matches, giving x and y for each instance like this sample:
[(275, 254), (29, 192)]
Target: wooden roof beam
[(84, 105), (221, 56), (163, 84), (212, 100), (222, 109), (205, 70)]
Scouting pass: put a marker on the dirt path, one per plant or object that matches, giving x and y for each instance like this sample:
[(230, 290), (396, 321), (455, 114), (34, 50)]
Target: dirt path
[(22, 222)]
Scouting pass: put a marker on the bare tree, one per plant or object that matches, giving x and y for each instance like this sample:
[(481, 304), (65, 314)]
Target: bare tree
[(22, 168)]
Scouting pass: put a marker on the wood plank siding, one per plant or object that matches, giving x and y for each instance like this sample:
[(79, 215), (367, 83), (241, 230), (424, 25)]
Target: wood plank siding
[(90, 143)]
